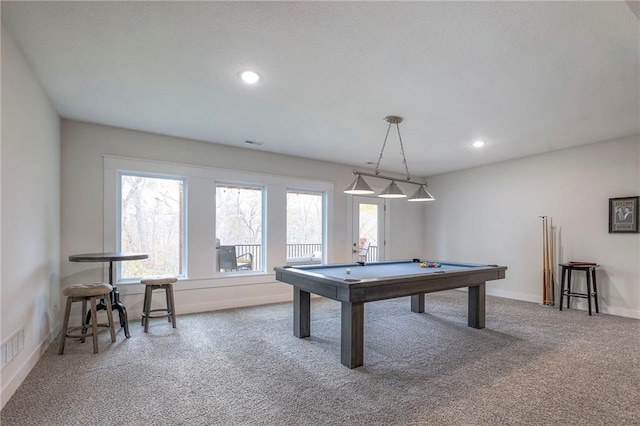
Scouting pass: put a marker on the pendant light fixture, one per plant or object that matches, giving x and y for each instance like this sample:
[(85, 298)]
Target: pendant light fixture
[(360, 187), (421, 195), (392, 191)]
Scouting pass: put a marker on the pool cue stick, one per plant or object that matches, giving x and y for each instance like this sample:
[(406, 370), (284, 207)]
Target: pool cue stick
[(546, 269), (546, 251), (552, 267), (549, 278), (549, 264), (544, 260)]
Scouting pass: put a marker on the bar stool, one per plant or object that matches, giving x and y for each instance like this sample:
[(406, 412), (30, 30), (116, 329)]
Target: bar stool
[(158, 283), (86, 293), (590, 270)]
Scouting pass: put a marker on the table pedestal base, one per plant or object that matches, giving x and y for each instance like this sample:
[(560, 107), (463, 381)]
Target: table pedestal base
[(115, 295), (116, 304)]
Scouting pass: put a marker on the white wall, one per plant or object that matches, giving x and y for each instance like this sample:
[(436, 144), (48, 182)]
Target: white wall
[(30, 282), (83, 147), (491, 215)]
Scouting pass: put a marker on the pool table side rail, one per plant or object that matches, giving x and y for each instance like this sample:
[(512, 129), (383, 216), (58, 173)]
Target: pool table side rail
[(386, 262), (400, 287), (372, 289), (311, 282)]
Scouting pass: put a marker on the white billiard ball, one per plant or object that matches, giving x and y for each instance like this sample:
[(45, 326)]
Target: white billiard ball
[(348, 270)]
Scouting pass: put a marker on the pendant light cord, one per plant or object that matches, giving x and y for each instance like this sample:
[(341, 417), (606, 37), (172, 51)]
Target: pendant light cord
[(393, 120)]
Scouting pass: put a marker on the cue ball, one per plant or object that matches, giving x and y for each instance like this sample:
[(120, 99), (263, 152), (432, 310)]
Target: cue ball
[(348, 270)]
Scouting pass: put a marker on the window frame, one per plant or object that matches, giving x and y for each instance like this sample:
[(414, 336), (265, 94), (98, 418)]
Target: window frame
[(185, 231), (200, 220), (263, 224), (325, 214)]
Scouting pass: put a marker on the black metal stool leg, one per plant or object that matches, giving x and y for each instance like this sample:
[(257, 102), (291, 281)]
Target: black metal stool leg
[(568, 288), (148, 293), (595, 289), (173, 306), (562, 280), (588, 290), (124, 322), (88, 319), (592, 288)]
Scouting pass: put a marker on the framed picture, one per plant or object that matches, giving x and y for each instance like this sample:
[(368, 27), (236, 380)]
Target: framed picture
[(623, 214)]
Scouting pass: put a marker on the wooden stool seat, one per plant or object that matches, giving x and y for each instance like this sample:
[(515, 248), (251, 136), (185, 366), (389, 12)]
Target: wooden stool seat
[(164, 282), (592, 289), (86, 293)]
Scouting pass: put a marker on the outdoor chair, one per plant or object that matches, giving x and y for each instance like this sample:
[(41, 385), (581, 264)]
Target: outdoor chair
[(230, 261)]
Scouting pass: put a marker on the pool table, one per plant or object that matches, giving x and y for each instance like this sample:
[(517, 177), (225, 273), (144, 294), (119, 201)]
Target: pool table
[(354, 284)]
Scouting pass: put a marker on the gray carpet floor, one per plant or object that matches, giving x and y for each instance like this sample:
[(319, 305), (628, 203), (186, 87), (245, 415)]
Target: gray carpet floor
[(531, 365)]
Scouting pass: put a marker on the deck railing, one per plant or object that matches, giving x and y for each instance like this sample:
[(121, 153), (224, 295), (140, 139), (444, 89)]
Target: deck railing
[(372, 254), (256, 252), (301, 250), (293, 251)]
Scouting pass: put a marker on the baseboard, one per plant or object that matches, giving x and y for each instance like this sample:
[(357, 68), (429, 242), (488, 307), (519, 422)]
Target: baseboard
[(207, 306), (525, 297), (582, 305), (621, 312), (579, 304), (10, 387)]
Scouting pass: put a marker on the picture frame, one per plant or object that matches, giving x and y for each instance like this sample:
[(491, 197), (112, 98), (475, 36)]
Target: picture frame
[(623, 215)]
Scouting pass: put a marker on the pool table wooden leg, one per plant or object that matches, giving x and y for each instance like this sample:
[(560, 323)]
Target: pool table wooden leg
[(476, 306), (301, 313), (417, 303), (352, 334)]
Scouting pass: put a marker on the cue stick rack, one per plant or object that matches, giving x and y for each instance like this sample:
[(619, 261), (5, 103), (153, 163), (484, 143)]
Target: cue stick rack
[(548, 261)]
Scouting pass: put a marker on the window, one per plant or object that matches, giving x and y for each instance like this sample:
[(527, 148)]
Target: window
[(152, 216), (369, 228), (305, 227), (186, 216), (239, 225)]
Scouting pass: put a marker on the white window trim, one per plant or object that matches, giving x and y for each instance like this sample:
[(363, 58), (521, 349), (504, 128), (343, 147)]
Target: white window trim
[(200, 207), (263, 239), (185, 254), (325, 215)]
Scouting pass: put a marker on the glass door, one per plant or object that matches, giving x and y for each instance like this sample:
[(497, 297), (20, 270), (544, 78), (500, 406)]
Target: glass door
[(368, 219)]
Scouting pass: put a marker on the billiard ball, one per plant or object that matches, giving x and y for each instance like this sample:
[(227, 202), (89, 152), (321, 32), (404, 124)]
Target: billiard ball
[(348, 271)]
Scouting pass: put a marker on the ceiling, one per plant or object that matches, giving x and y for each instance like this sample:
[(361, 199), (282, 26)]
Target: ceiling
[(526, 77)]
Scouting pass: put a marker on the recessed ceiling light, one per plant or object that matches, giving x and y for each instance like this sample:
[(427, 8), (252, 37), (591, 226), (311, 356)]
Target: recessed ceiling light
[(249, 77), (478, 144)]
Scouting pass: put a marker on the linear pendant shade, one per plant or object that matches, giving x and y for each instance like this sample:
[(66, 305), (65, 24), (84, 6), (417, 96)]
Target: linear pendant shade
[(359, 187), (421, 195), (392, 191)]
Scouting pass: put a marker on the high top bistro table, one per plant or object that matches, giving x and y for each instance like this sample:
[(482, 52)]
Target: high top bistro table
[(115, 294)]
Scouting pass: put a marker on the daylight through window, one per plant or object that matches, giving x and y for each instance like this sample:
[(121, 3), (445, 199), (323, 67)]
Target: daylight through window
[(305, 225), (152, 216), (239, 225)]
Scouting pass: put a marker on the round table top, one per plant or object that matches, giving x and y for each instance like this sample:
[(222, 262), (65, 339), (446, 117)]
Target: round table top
[(107, 257)]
